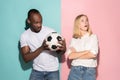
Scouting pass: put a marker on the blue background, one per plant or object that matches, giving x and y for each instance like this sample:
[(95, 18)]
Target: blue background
[(13, 14)]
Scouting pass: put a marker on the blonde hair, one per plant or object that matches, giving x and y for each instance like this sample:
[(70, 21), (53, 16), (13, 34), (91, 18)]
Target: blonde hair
[(76, 30)]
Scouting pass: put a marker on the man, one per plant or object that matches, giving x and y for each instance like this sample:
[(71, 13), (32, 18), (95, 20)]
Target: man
[(33, 47)]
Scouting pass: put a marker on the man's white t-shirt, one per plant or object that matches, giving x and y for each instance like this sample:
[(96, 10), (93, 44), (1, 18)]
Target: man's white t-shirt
[(47, 60)]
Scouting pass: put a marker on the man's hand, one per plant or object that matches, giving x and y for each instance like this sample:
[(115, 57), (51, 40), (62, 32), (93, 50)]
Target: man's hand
[(62, 46), (44, 46), (61, 49)]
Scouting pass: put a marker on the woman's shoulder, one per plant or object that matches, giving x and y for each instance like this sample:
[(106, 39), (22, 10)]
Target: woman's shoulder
[(94, 36), (74, 39)]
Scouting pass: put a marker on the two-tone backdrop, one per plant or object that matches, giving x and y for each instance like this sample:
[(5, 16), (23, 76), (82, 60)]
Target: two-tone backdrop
[(104, 20)]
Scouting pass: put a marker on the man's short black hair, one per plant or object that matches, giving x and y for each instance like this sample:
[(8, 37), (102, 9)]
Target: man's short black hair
[(32, 11)]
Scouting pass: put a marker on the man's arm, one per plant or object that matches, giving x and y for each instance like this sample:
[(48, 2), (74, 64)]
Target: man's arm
[(28, 56)]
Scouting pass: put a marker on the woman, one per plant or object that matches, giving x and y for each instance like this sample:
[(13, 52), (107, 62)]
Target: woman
[(83, 51)]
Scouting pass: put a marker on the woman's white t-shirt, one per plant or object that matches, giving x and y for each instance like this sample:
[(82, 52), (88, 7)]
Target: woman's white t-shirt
[(86, 42)]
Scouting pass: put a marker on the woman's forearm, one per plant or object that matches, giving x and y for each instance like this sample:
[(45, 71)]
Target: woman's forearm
[(89, 55), (75, 55)]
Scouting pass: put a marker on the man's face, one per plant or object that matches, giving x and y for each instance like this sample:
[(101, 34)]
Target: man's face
[(35, 22)]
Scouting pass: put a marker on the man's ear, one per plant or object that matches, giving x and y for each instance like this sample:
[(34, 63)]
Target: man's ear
[(28, 21)]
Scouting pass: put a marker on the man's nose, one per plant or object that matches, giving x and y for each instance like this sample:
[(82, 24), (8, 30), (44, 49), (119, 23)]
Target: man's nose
[(38, 24)]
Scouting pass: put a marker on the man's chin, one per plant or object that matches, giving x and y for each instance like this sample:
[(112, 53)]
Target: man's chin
[(38, 30)]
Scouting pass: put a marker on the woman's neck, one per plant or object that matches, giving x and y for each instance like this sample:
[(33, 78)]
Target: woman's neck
[(83, 32)]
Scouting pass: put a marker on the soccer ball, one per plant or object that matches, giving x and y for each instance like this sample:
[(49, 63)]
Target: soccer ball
[(52, 40)]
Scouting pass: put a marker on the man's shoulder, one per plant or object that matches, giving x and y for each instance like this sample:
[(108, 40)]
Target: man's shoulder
[(46, 28), (26, 32)]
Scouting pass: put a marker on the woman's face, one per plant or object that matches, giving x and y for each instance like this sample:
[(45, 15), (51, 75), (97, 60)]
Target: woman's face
[(83, 23)]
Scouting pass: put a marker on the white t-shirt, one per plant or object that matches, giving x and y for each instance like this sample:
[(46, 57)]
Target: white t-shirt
[(85, 43), (46, 60)]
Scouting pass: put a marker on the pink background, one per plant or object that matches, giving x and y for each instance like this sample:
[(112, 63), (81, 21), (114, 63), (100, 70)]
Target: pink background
[(104, 18)]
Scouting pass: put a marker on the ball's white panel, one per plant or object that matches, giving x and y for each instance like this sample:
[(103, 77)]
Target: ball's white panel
[(52, 40)]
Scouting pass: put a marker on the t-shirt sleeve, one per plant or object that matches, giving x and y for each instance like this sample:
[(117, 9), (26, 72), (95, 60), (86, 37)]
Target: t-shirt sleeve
[(94, 48), (23, 41), (50, 29), (70, 45)]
